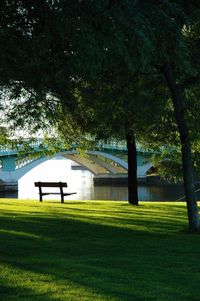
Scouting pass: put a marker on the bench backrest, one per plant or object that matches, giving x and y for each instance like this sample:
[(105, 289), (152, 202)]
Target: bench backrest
[(50, 184)]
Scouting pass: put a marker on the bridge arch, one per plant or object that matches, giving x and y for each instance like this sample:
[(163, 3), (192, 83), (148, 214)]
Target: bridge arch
[(97, 162)]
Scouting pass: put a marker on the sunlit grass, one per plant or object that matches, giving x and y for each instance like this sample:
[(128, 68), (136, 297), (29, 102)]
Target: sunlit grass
[(92, 250)]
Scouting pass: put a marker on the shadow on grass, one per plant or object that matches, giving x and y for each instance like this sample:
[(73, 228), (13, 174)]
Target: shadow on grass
[(8, 292), (56, 257)]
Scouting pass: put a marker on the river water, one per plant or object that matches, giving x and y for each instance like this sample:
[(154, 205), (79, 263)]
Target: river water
[(81, 181)]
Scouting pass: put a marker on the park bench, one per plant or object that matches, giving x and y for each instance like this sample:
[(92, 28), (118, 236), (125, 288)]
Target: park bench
[(59, 185)]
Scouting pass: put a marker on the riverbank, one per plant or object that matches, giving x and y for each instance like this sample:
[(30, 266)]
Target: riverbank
[(92, 250), (122, 179)]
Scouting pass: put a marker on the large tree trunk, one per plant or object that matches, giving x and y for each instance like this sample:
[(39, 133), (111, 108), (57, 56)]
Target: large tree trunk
[(187, 164), (132, 170)]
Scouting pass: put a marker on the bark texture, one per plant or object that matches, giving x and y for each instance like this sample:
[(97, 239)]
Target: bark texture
[(132, 170), (187, 164)]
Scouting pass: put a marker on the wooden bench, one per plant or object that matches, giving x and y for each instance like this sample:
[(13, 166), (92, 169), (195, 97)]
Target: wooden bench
[(60, 185)]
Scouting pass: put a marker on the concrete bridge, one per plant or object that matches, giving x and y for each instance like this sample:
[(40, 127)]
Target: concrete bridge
[(107, 162)]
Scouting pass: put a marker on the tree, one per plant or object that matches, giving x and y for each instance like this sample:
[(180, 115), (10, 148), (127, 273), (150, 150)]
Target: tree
[(49, 53), (176, 60), (179, 103), (113, 106)]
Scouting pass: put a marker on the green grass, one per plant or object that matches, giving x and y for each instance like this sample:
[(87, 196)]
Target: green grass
[(92, 250)]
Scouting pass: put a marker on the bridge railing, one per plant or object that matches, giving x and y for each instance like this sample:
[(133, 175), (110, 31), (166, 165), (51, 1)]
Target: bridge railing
[(112, 145), (23, 161), (118, 145), (18, 145)]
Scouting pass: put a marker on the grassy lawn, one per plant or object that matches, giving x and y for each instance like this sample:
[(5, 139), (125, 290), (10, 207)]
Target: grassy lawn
[(92, 250)]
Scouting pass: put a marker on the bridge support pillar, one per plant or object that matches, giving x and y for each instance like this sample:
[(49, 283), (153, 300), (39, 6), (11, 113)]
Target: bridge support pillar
[(8, 163)]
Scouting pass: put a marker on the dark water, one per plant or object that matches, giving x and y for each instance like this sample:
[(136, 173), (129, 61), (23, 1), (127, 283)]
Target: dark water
[(81, 181), (146, 192), (10, 195)]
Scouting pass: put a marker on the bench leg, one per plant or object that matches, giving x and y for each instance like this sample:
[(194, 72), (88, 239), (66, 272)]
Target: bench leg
[(62, 198), (40, 197), (40, 193)]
